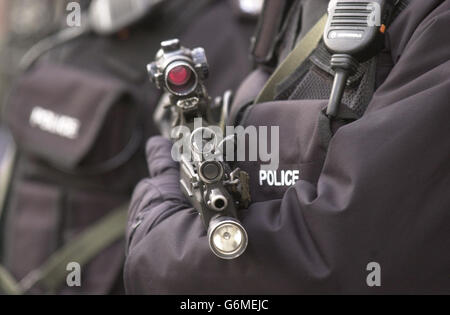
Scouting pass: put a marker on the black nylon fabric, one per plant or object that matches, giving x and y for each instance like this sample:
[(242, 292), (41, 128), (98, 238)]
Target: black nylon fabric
[(381, 194), (314, 80), (88, 98)]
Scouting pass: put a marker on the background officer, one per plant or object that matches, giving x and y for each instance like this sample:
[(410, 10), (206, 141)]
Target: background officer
[(79, 115)]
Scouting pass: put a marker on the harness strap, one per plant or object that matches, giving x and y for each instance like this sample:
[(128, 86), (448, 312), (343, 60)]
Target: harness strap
[(82, 249), (300, 53), (302, 50), (8, 284)]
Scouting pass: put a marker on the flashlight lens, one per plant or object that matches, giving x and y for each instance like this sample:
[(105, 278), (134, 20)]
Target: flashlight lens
[(179, 75), (228, 239)]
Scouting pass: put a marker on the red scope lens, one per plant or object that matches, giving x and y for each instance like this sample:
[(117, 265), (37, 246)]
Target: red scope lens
[(179, 75)]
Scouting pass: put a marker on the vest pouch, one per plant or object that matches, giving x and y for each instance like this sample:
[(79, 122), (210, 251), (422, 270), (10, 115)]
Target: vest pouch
[(58, 114), (77, 134)]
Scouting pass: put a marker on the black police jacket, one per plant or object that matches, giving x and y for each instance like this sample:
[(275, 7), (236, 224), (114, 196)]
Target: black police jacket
[(369, 215)]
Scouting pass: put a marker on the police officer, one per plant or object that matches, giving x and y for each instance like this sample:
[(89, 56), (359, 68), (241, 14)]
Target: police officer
[(78, 115), (369, 213)]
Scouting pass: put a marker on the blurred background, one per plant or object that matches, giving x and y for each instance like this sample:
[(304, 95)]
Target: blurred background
[(76, 110), (22, 24)]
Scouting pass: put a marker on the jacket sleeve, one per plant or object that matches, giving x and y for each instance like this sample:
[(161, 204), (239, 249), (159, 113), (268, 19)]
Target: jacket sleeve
[(382, 197)]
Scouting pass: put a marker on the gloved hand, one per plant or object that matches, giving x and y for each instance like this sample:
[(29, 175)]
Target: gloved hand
[(159, 196)]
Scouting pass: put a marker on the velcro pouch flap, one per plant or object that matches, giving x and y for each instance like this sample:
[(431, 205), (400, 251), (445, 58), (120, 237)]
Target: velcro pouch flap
[(56, 112)]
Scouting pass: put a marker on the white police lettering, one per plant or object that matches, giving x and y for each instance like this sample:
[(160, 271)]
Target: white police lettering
[(61, 125), (278, 178)]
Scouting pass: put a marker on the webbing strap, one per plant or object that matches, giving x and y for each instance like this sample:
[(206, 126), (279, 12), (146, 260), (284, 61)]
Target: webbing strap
[(8, 284), (80, 250), (300, 53)]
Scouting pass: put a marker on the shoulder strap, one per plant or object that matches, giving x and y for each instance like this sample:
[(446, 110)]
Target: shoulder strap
[(81, 250), (9, 285), (300, 53)]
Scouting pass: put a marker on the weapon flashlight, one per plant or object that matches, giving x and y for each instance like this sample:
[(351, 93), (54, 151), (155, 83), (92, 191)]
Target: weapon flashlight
[(227, 237)]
